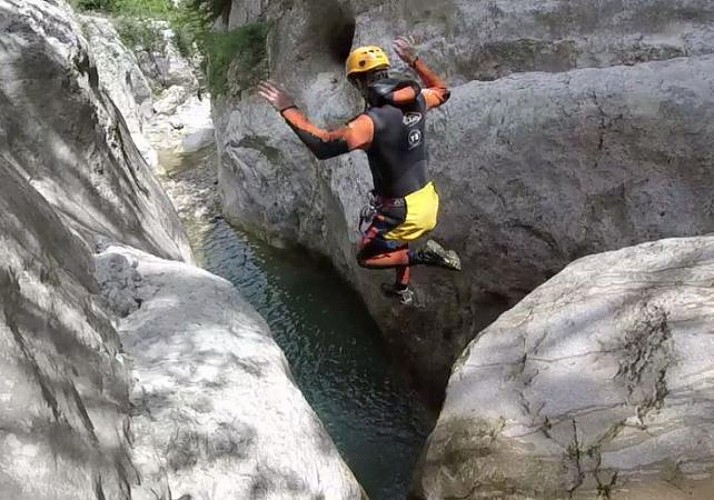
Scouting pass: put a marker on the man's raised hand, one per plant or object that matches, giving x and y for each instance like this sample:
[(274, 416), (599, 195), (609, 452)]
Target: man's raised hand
[(404, 47), (275, 95)]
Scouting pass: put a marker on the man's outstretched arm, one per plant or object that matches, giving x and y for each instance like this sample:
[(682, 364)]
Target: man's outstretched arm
[(324, 144), (358, 134), (436, 92)]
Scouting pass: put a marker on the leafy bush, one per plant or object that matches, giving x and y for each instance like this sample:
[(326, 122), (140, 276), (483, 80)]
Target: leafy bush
[(139, 34), (105, 5), (139, 8), (134, 18), (144, 9), (241, 52), (191, 22)]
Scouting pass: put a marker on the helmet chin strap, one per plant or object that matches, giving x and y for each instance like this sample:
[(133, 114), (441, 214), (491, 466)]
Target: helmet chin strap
[(363, 82)]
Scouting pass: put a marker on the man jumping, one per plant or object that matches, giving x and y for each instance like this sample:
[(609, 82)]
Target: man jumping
[(392, 132)]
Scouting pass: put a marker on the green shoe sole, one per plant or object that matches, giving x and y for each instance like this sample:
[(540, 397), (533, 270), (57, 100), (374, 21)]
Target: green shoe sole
[(449, 258)]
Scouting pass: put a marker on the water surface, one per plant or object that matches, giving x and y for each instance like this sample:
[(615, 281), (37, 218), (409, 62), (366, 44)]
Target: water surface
[(335, 354)]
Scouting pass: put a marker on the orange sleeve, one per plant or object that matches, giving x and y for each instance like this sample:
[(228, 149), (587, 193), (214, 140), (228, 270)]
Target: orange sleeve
[(436, 92), (358, 134), (405, 95)]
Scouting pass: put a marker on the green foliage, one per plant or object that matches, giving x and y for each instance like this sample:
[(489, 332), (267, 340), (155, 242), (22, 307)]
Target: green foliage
[(144, 8), (139, 33), (241, 52), (134, 18), (216, 7), (140, 8), (191, 22), (105, 5)]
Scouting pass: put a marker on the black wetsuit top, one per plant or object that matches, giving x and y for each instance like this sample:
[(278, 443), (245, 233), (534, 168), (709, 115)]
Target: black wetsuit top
[(398, 153), (391, 131)]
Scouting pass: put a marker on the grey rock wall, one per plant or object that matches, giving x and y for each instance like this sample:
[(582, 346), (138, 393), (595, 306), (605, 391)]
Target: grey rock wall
[(594, 136), (121, 77), (64, 388), (486, 39), (70, 179), (166, 112), (540, 169), (193, 398), (60, 129), (597, 385)]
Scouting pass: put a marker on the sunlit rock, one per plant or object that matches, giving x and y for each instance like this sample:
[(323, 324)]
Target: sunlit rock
[(598, 384), (212, 392)]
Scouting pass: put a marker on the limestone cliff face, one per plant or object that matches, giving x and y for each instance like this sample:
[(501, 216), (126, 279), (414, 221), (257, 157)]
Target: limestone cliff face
[(121, 77), (156, 89), (596, 385), (64, 388), (107, 389), (70, 179), (589, 131), (68, 140)]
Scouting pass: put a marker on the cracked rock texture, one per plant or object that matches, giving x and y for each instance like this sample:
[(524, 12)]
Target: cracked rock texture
[(66, 137), (212, 395), (599, 384), (70, 180), (595, 134)]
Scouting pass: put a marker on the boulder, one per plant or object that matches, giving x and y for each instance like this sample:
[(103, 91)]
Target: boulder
[(598, 384), (212, 393)]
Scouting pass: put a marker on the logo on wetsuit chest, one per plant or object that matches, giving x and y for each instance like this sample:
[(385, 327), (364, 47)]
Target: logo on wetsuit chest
[(415, 137), (411, 119)]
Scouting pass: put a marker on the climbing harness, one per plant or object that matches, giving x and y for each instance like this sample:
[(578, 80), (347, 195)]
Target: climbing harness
[(367, 214), (371, 210)]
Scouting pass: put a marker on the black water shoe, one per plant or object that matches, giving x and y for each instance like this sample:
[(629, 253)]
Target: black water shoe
[(405, 295), (434, 254)]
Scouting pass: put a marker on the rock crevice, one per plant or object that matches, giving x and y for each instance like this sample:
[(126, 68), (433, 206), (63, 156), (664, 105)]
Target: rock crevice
[(592, 133)]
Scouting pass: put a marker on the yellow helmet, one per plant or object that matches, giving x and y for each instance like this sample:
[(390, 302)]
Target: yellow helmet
[(366, 59)]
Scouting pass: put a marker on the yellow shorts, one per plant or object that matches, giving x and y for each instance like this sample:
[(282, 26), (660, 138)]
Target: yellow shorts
[(422, 211)]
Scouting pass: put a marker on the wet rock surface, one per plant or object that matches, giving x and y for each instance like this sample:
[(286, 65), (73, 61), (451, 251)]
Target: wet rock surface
[(597, 384)]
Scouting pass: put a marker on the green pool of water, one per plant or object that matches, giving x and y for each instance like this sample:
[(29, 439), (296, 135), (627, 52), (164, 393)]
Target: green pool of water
[(335, 354)]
